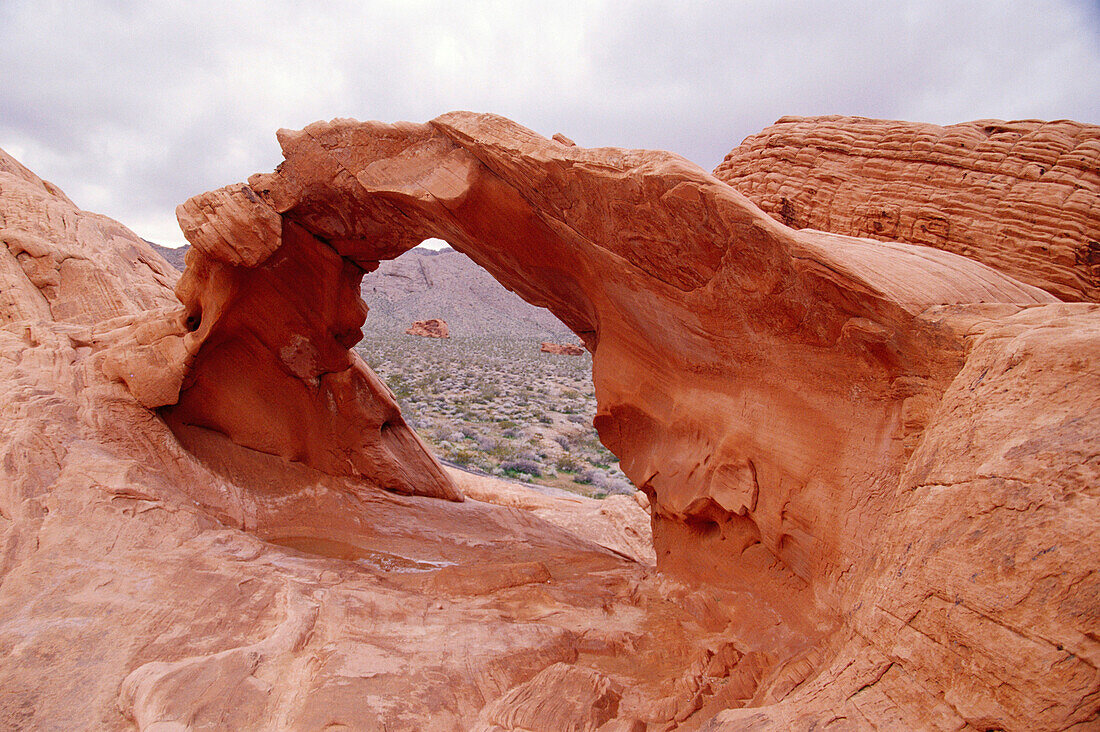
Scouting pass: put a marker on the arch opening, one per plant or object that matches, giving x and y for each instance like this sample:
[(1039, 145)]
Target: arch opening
[(503, 389)]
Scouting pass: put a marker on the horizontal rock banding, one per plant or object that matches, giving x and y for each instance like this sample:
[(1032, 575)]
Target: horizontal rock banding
[(1022, 196)]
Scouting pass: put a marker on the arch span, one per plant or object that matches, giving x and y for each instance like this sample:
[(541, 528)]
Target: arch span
[(763, 385)]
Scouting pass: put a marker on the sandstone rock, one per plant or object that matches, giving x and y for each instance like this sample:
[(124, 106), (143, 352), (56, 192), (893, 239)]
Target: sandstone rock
[(562, 349), (618, 523), (431, 328), (63, 264), (1023, 196), (799, 373), (870, 466), (562, 696)]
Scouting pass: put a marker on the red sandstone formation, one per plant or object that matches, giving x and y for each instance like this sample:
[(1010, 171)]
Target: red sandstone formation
[(870, 465), (1023, 197), (62, 264), (562, 349), (432, 328)]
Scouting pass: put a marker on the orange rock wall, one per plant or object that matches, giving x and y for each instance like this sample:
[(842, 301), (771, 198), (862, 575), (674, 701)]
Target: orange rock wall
[(1023, 197)]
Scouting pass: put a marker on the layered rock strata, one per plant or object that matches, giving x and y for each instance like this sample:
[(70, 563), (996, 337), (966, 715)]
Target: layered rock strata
[(1022, 196)]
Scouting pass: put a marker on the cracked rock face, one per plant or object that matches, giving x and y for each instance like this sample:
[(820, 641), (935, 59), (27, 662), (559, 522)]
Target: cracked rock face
[(871, 468)]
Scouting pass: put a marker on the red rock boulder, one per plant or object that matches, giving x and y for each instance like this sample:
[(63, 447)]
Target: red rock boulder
[(431, 328)]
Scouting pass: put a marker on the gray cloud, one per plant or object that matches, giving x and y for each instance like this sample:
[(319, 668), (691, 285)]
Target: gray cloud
[(133, 107)]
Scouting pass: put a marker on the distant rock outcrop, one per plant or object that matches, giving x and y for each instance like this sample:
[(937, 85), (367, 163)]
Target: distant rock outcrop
[(562, 349), (431, 328), (1022, 197)]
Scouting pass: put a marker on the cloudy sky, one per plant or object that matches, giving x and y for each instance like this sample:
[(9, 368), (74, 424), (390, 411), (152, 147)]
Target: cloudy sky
[(132, 107)]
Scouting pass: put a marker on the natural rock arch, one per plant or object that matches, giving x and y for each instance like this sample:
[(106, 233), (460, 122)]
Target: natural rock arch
[(771, 390), (740, 367)]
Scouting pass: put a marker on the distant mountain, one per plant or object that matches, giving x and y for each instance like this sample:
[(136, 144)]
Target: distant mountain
[(446, 284), (424, 283), (174, 257)]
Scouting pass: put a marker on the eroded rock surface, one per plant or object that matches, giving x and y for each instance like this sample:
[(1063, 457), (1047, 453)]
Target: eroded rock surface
[(63, 264), (871, 468), (1022, 196)]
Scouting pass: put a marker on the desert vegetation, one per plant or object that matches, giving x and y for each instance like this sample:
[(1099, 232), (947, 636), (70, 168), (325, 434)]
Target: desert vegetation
[(499, 406)]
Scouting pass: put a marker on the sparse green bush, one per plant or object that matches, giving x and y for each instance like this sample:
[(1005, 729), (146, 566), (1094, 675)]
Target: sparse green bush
[(527, 467), (567, 463)]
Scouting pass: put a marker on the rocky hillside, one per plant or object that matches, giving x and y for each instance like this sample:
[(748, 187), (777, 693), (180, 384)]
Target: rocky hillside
[(423, 283), (174, 257)]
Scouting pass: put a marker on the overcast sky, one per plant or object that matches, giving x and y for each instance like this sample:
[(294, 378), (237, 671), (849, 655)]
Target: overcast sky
[(132, 107)]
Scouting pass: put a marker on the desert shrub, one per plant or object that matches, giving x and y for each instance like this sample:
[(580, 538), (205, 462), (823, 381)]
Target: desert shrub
[(593, 477), (527, 467), (460, 457), (617, 486), (502, 450), (546, 419), (568, 463), (578, 419)]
